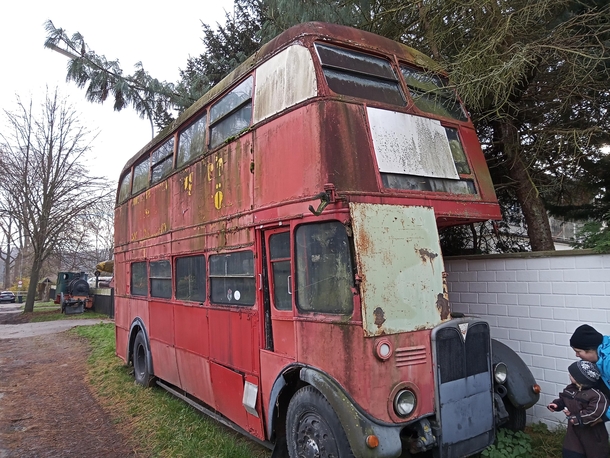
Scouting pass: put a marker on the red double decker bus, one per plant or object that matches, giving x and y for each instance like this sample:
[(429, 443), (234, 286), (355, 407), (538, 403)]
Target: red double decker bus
[(277, 260)]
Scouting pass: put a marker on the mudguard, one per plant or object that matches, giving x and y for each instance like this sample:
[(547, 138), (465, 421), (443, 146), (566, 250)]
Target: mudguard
[(519, 381), (137, 325)]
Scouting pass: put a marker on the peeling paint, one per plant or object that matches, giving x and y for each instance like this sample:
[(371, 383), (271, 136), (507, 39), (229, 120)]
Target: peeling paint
[(442, 304), (379, 317)]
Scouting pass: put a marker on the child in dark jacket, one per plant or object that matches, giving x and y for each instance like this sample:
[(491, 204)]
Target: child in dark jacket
[(584, 406)]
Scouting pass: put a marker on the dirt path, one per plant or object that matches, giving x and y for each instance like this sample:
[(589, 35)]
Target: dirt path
[(46, 408)]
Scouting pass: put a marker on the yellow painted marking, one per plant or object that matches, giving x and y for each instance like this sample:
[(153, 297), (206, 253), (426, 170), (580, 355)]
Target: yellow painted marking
[(188, 183), (218, 200)]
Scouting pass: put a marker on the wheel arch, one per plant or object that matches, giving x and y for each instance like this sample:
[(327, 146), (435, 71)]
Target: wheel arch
[(355, 424), (137, 326)]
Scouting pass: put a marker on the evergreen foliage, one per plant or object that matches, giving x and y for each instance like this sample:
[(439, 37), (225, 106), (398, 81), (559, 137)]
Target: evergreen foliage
[(533, 73)]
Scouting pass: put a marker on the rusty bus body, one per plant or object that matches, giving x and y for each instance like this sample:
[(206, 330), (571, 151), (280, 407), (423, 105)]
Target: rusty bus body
[(277, 254)]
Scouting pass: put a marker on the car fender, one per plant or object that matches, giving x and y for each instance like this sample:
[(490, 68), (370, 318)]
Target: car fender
[(519, 381)]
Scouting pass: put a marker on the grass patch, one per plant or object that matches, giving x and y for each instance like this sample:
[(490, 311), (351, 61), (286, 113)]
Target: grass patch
[(545, 443), (159, 425), (55, 315)]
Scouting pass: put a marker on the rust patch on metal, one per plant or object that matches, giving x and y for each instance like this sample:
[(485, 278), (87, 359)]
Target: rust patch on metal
[(379, 316), (442, 304), (426, 254)]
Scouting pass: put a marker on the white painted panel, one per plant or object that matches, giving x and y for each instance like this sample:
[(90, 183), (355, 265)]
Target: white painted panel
[(399, 258), (411, 145), (283, 81)]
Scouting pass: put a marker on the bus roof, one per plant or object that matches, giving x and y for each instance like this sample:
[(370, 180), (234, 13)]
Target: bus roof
[(320, 30)]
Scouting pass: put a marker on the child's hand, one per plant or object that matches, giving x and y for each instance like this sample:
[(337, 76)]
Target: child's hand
[(552, 407)]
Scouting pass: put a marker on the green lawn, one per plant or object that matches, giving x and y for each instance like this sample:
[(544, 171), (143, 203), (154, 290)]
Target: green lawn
[(159, 424)]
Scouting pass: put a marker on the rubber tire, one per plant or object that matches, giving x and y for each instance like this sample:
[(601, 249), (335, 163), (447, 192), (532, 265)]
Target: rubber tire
[(313, 429), (141, 371), (516, 417)]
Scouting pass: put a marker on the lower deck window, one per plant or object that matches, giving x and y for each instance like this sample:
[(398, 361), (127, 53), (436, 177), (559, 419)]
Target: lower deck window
[(232, 278), (161, 279), (324, 269), (190, 278), (139, 277)]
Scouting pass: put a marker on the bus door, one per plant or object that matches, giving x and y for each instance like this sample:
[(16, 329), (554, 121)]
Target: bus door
[(277, 290), (278, 348)]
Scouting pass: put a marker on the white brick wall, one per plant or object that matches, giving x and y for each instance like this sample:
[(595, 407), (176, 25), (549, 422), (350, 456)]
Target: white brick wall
[(533, 303)]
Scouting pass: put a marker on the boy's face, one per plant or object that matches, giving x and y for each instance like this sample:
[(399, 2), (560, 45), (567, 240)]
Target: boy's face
[(586, 355)]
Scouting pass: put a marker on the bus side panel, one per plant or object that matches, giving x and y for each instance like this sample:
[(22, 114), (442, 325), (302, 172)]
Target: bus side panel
[(234, 340), (195, 376), (347, 151), (161, 334), (229, 390), (290, 139), (191, 329), (121, 336), (192, 348), (366, 378), (272, 365)]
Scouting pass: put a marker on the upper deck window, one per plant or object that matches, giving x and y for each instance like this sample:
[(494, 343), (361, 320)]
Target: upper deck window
[(360, 75), (192, 142), (231, 114), (430, 93), (124, 188), (140, 176), (161, 160)]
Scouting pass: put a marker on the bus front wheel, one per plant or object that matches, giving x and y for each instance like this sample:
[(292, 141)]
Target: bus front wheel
[(313, 429), (141, 357)]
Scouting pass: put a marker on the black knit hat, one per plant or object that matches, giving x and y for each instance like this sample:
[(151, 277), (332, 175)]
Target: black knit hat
[(586, 338), (584, 372)]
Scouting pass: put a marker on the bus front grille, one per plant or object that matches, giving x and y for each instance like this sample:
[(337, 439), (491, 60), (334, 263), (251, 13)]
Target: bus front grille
[(465, 390)]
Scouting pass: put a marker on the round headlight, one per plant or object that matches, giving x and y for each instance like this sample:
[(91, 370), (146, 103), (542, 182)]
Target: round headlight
[(404, 403), (500, 373)]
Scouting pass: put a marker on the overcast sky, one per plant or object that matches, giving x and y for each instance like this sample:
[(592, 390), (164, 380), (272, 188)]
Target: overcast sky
[(162, 35)]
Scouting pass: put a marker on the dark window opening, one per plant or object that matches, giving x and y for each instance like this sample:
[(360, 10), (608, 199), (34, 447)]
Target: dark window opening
[(161, 161), (232, 278), (161, 279), (324, 269), (430, 93), (232, 114), (190, 278), (139, 279), (279, 247), (360, 75), (192, 142)]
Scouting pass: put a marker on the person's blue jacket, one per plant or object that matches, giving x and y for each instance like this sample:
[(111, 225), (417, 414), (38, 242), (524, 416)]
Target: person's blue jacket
[(603, 364)]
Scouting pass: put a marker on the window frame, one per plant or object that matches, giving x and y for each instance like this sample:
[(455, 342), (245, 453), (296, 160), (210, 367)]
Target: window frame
[(299, 272), (155, 278), (132, 270), (202, 296), (217, 119), (362, 76), (183, 158), (214, 276)]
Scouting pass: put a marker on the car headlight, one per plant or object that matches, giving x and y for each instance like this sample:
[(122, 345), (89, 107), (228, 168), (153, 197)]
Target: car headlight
[(404, 403), (500, 373)]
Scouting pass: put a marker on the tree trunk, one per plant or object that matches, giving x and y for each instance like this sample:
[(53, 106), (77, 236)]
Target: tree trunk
[(34, 277), (538, 226)]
